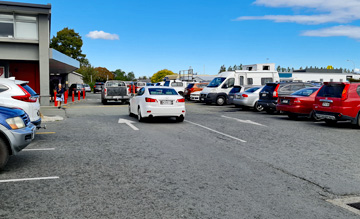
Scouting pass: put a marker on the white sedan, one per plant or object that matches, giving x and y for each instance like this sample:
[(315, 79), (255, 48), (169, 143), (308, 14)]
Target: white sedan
[(157, 102)]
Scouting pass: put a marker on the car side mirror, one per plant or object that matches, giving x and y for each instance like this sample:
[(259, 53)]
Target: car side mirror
[(225, 86)]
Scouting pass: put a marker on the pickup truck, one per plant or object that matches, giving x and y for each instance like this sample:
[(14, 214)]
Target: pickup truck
[(116, 91)]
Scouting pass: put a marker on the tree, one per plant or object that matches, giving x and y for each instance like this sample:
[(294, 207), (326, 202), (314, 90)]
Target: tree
[(240, 67), (159, 76), (278, 69), (230, 68), (131, 76), (120, 75), (104, 74), (89, 74), (69, 42), (288, 69), (222, 68), (235, 67)]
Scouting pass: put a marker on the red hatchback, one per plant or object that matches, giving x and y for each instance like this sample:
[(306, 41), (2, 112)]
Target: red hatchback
[(299, 103), (338, 101)]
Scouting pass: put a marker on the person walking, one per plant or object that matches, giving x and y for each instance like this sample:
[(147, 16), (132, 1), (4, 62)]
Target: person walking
[(59, 95)]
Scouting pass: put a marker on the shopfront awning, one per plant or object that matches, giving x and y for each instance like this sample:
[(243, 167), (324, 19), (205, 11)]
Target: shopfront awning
[(61, 63)]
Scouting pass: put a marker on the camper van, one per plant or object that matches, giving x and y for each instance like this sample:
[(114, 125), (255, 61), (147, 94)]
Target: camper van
[(254, 75)]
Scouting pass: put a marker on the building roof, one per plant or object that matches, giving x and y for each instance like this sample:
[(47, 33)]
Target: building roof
[(25, 7)]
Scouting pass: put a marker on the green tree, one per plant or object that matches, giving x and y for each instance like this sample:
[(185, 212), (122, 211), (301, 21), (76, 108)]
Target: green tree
[(278, 69), (89, 74), (120, 75), (69, 42), (235, 67), (104, 74), (159, 76), (230, 68), (222, 68), (131, 76), (240, 67)]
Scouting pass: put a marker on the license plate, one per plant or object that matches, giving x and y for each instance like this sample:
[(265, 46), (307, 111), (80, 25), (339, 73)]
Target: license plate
[(284, 101), (263, 95), (166, 102), (325, 104)]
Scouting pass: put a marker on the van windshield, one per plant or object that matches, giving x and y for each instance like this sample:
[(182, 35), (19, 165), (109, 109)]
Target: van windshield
[(216, 82)]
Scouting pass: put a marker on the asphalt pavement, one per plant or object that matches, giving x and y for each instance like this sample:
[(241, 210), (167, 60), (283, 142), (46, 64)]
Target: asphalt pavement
[(221, 162)]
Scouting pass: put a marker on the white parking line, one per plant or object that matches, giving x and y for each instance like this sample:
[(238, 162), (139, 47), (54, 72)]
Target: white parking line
[(229, 136), (244, 121), (28, 179), (39, 149)]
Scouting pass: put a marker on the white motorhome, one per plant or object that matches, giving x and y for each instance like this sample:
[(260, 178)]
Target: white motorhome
[(254, 75)]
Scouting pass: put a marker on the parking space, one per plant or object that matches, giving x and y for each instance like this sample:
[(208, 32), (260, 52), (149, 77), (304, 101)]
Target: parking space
[(92, 165)]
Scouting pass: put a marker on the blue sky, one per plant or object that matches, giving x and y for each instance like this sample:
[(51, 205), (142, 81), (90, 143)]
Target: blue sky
[(146, 36)]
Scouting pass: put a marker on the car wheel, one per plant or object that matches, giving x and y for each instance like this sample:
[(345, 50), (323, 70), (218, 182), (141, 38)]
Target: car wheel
[(258, 107), (330, 122), (140, 118), (220, 101), (358, 121), (180, 119), (313, 116), (4, 154)]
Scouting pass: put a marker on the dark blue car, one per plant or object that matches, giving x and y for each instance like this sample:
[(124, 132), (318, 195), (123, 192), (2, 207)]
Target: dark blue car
[(16, 132)]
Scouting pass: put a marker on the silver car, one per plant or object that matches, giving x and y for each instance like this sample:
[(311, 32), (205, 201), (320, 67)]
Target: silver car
[(248, 98), (16, 132)]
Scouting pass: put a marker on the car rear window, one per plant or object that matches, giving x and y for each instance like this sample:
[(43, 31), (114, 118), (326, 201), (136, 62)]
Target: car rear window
[(162, 91), (115, 84), (331, 90), (190, 86), (269, 88), (99, 83), (252, 90), (235, 90), (305, 92), (29, 90), (177, 84)]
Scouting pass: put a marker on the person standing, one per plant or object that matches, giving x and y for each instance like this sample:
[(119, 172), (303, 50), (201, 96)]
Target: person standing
[(59, 95)]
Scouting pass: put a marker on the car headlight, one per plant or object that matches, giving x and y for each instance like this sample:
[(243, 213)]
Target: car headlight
[(15, 123)]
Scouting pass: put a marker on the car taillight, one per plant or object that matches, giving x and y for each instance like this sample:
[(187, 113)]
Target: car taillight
[(297, 101), (105, 91), (150, 100), (26, 98), (344, 94), (182, 100), (94, 86), (275, 93), (245, 95)]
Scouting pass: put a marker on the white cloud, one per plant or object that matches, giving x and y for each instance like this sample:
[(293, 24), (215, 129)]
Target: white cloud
[(326, 11), (347, 31), (102, 35)]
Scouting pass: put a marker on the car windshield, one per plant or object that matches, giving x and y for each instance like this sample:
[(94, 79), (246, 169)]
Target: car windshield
[(331, 90), (305, 92), (216, 82), (190, 86), (176, 84), (162, 91), (252, 90), (115, 84)]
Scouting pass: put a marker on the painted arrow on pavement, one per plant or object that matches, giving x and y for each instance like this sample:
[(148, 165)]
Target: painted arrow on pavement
[(244, 121), (129, 123)]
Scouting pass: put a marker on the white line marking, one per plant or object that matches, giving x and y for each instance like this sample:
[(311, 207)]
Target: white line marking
[(244, 121), (28, 179), (229, 136), (39, 149), (128, 122)]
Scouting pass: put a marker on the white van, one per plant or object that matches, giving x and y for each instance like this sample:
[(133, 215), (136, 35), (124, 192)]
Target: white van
[(254, 75)]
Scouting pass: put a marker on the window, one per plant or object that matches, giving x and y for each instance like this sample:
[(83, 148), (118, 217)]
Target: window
[(141, 91), (252, 90), (167, 83), (6, 25), (331, 80), (249, 68), (18, 26), (266, 67), (162, 91), (250, 81), (285, 88), (321, 80), (177, 84), (241, 80), (266, 80), (297, 87), (3, 88), (230, 82)]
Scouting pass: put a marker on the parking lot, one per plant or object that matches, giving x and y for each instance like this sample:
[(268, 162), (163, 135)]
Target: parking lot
[(221, 162)]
